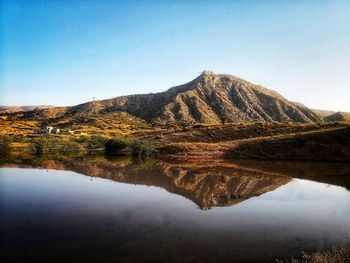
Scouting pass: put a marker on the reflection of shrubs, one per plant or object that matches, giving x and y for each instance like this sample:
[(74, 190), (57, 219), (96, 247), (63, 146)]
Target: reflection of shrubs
[(115, 146), (145, 164), (143, 148), (5, 147), (51, 145)]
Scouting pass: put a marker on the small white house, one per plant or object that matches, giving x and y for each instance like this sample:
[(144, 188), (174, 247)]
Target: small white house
[(48, 129), (51, 130)]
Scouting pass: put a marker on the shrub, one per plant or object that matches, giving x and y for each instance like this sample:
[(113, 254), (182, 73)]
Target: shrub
[(52, 145), (70, 147), (143, 148), (18, 139), (224, 120), (115, 146), (5, 147), (159, 136), (95, 142), (198, 125), (177, 128)]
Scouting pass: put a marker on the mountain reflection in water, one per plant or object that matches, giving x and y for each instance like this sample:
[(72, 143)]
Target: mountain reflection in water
[(259, 210), (206, 185)]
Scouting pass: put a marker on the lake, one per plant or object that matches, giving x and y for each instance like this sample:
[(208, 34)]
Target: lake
[(121, 210)]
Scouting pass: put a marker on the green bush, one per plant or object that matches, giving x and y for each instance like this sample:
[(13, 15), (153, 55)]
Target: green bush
[(198, 125), (143, 148), (52, 145), (70, 147), (115, 146), (5, 147), (95, 142)]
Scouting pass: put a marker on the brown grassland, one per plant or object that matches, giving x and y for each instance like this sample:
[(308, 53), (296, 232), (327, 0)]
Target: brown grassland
[(242, 140)]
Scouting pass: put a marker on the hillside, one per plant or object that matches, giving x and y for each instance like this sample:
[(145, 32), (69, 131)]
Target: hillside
[(209, 98)]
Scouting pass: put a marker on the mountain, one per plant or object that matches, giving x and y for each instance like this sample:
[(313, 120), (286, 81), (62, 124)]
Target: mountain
[(338, 116), (209, 98), (12, 109), (323, 113), (332, 116)]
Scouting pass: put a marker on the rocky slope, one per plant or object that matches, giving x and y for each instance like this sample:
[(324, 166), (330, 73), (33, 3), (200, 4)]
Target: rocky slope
[(210, 98)]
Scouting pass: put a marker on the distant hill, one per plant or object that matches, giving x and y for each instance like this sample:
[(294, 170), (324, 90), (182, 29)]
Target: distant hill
[(338, 116), (209, 98), (331, 116), (12, 109), (323, 113)]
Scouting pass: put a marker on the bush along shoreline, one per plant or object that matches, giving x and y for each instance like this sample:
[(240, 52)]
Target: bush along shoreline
[(5, 145), (50, 145), (139, 148), (55, 145), (115, 147)]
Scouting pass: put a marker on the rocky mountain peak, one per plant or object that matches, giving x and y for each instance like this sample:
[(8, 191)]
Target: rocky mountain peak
[(209, 98)]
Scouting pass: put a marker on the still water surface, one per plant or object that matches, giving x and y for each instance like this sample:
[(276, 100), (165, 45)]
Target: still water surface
[(166, 213)]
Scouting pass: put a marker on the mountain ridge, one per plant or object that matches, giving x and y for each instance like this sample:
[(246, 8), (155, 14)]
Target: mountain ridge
[(209, 98)]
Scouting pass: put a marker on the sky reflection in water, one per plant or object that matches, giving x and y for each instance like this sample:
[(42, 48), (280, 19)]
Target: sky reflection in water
[(48, 214)]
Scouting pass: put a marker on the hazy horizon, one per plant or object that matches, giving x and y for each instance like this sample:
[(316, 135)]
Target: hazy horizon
[(64, 53)]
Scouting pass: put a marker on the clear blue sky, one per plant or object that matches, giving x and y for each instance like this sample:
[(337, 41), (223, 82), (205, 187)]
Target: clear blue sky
[(66, 52)]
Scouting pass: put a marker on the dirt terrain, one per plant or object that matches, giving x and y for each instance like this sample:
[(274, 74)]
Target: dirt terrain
[(276, 141)]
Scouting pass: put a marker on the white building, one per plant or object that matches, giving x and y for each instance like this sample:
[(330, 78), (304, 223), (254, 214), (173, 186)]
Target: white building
[(48, 129)]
